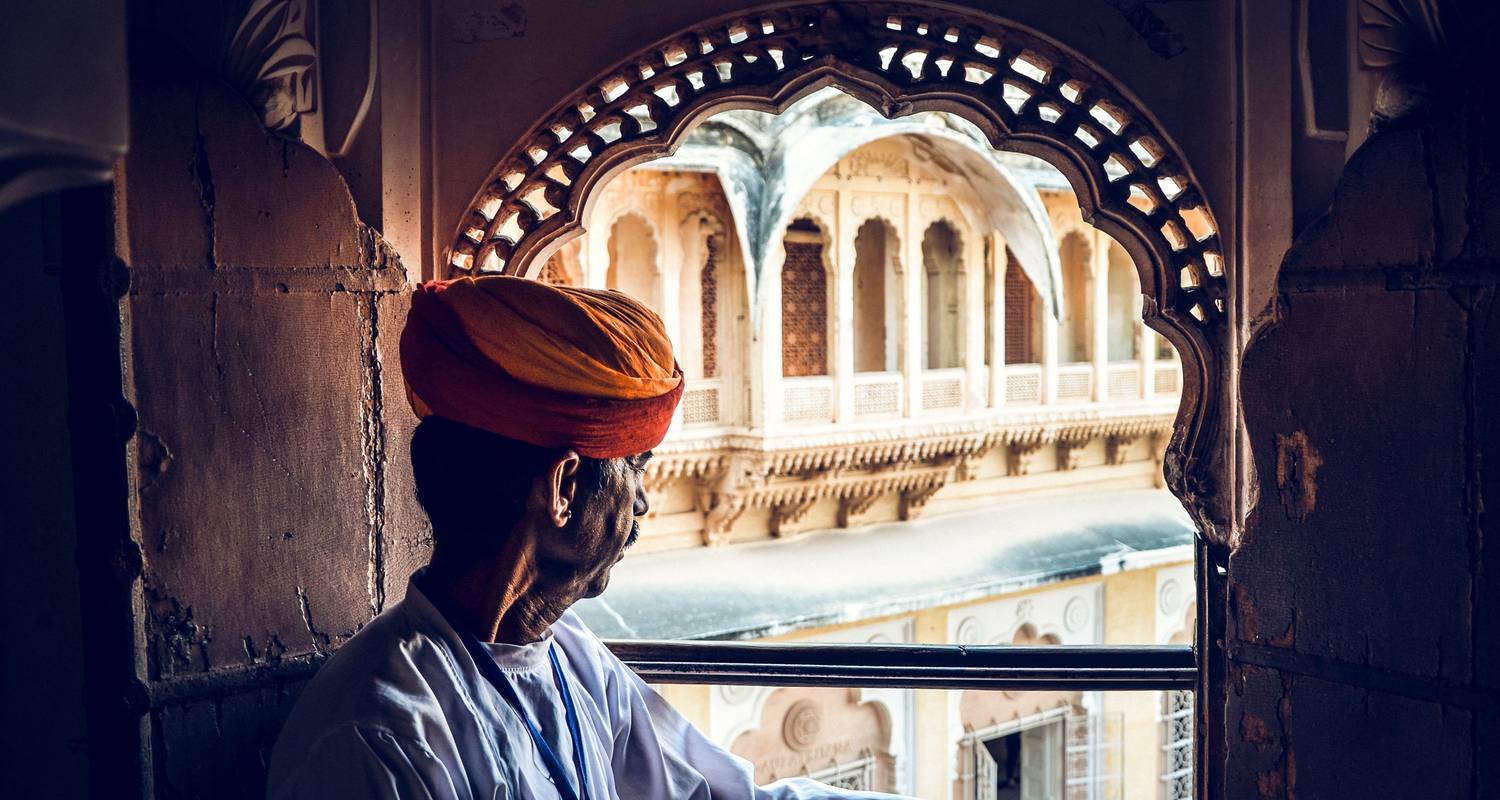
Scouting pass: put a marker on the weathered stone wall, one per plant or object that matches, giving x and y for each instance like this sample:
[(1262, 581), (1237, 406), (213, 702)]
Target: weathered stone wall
[(1363, 599), (271, 500)]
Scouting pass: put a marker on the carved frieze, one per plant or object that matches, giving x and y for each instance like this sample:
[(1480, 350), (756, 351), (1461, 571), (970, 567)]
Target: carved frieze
[(733, 473)]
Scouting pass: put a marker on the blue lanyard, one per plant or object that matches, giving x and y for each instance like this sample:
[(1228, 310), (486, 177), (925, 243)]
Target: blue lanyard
[(502, 684)]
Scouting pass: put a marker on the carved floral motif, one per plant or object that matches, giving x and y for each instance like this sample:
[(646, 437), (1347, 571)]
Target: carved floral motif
[(271, 59)]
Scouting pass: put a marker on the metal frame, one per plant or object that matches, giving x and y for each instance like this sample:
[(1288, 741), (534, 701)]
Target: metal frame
[(915, 666)]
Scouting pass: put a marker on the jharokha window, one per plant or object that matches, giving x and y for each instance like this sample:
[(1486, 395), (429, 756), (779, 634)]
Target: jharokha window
[(919, 457)]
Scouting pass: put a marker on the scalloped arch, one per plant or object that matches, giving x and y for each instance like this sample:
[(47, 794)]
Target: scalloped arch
[(1026, 94)]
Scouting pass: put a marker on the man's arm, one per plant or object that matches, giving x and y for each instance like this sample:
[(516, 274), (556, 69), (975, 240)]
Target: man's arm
[(367, 762), (659, 753)]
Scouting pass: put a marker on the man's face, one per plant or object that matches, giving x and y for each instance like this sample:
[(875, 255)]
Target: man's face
[(605, 521)]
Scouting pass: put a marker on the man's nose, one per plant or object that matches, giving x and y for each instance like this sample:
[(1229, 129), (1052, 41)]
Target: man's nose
[(642, 505)]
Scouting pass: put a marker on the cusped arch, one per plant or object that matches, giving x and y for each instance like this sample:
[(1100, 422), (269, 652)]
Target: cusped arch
[(1024, 92)]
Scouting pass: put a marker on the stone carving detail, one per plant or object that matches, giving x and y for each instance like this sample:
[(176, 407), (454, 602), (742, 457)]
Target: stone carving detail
[(1076, 614), (912, 500), (1169, 597), (1405, 39), (876, 165), (1117, 449), (733, 473), (272, 61), (802, 725), (873, 204), (1069, 451), (505, 22), (1032, 95), (970, 632)]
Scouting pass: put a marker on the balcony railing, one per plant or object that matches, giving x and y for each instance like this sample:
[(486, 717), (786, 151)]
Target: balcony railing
[(1023, 384), (1168, 378), (877, 395), (1124, 380), (807, 400), (943, 390), (702, 402), (1075, 383)]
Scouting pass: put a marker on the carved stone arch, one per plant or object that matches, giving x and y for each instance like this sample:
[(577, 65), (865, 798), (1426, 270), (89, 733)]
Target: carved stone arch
[(1024, 92)]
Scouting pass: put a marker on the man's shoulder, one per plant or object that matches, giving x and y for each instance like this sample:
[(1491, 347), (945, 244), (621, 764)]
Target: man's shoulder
[(387, 675)]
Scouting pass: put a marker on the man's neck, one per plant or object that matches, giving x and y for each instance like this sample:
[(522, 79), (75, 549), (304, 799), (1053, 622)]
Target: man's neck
[(495, 599)]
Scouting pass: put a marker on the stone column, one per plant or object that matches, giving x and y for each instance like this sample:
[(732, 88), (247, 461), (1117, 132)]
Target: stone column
[(765, 345), (670, 266), (1147, 338), (912, 274), (841, 253), (972, 320), (1050, 324), (1099, 313), (998, 263)]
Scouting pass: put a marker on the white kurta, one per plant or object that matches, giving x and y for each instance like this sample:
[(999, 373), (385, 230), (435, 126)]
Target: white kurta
[(403, 711)]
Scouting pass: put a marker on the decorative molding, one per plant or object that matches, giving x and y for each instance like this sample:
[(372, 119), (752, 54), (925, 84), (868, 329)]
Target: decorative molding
[(1069, 452), (802, 725), (1026, 93), (1405, 40), (732, 473), (272, 60), (1018, 457)]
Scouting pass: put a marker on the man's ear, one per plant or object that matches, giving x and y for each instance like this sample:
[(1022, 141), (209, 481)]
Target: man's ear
[(562, 488)]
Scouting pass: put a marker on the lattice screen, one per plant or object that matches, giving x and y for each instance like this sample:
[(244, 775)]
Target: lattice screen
[(710, 295), (1020, 309), (804, 311)]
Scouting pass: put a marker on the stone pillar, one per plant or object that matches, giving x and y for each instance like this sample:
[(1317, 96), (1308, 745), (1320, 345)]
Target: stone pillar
[(765, 346), (1050, 324), (911, 333), (595, 252), (841, 252), (972, 319), (671, 268), (1147, 338), (1099, 313), (998, 262)]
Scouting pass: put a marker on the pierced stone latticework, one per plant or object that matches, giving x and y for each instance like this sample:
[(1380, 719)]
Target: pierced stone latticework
[(1025, 94)]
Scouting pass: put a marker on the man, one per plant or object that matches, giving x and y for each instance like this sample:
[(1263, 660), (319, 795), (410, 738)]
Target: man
[(539, 407)]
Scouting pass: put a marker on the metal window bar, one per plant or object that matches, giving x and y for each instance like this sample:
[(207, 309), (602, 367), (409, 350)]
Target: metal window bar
[(914, 666)]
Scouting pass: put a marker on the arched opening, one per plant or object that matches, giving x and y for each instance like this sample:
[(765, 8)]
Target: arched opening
[(633, 267), (804, 301), (1023, 334), (800, 275), (1055, 104), (942, 302), (875, 303), (1075, 325), (1124, 306)]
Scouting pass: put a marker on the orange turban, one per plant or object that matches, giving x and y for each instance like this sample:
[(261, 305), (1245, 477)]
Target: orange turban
[(549, 365)]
